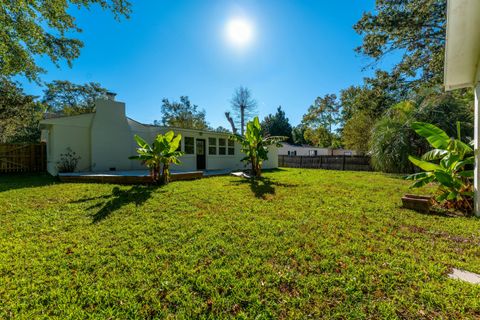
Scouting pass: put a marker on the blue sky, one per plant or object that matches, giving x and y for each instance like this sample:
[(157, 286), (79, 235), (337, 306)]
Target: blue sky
[(300, 49)]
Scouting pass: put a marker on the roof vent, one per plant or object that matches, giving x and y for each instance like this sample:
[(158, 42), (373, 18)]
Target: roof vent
[(111, 95)]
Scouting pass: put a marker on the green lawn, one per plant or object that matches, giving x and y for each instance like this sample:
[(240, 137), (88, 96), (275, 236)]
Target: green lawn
[(300, 243)]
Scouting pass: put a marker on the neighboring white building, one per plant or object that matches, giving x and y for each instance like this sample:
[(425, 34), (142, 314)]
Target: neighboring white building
[(289, 149), (104, 141), (462, 64)]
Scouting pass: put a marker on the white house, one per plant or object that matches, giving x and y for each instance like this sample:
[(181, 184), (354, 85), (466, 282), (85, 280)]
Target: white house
[(289, 149), (105, 139), (462, 63)]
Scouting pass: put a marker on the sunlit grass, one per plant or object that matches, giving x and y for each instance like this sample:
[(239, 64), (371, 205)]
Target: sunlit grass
[(300, 243)]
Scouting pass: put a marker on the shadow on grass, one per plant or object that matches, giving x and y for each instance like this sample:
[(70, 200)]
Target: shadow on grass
[(25, 180), (117, 199), (263, 187)]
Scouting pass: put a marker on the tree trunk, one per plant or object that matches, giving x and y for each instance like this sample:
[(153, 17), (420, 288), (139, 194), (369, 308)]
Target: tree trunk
[(242, 119), (165, 178), (232, 123)]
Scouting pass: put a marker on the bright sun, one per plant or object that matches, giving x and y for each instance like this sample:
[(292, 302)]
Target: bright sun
[(239, 32)]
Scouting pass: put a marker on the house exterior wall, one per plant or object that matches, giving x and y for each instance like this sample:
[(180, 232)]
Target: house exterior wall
[(111, 137), (105, 139), (290, 149), (73, 133)]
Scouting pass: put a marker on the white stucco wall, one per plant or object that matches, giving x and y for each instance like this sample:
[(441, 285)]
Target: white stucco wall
[(62, 133), (111, 137)]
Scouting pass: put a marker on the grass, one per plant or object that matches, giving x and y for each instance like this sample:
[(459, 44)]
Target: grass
[(298, 244)]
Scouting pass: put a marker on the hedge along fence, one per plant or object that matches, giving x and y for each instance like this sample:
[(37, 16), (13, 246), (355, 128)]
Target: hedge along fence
[(343, 162), (23, 158)]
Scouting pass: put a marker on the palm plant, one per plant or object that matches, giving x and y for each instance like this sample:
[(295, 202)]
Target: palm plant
[(159, 155), (255, 145), (448, 164)]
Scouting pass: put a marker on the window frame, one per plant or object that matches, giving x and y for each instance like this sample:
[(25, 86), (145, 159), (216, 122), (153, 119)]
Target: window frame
[(188, 145), (222, 147), (212, 146)]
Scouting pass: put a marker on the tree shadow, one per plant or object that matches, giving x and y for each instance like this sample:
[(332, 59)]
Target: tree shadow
[(263, 187), (25, 180), (138, 195)]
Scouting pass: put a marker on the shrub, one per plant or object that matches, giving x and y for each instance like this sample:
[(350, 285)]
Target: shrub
[(68, 161)]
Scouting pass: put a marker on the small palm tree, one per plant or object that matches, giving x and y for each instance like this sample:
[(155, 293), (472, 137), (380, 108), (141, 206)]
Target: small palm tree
[(255, 145), (160, 155)]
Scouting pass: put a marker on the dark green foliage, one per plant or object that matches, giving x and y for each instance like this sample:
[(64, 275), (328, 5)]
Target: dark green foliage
[(30, 29), (298, 133), (182, 114), (296, 244), (416, 29), (19, 114), (70, 99), (277, 125)]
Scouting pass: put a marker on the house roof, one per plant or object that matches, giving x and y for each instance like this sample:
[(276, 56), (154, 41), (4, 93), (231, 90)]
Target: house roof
[(462, 50)]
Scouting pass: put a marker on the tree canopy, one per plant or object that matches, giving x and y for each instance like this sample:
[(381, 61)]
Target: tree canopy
[(19, 114), (414, 28), (277, 125), (244, 108), (71, 99), (182, 114), (34, 28)]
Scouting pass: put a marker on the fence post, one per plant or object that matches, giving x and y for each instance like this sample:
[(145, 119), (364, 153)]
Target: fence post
[(301, 161), (343, 162)]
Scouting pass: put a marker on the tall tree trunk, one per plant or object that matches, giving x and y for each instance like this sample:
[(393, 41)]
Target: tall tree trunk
[(242, 119)]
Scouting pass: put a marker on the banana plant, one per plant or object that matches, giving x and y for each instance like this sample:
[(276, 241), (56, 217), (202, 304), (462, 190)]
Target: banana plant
[(255, 145), (162, 153), (448, 164)]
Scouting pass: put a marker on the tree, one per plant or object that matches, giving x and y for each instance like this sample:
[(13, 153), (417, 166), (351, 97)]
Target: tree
[(72, 99), (19, 114), (183, 114), (277, 125), (222, 129), (160, 155), (318, 137), (357, 131), (298, 133), (255, 145), (323, 113), (416, 28), (448, 164), (244, 107), (30, 29)]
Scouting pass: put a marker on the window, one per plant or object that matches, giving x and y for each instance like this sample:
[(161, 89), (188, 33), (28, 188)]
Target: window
[(312, 152), (222, 150), (231, 147), (180, 146), (212, 146), (292, 153), (189, 145)]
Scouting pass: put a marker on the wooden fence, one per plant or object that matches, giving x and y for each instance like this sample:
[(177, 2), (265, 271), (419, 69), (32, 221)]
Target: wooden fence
[(344, 162), (23, 158)]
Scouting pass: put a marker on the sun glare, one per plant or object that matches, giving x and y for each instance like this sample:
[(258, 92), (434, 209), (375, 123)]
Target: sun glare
[(239, 32)]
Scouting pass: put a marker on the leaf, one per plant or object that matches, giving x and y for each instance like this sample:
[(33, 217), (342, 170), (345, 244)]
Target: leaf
[(419, 175), (424, 165), (434, 154), (466, 173), (434, 135), (142, 143), (444, 178)]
